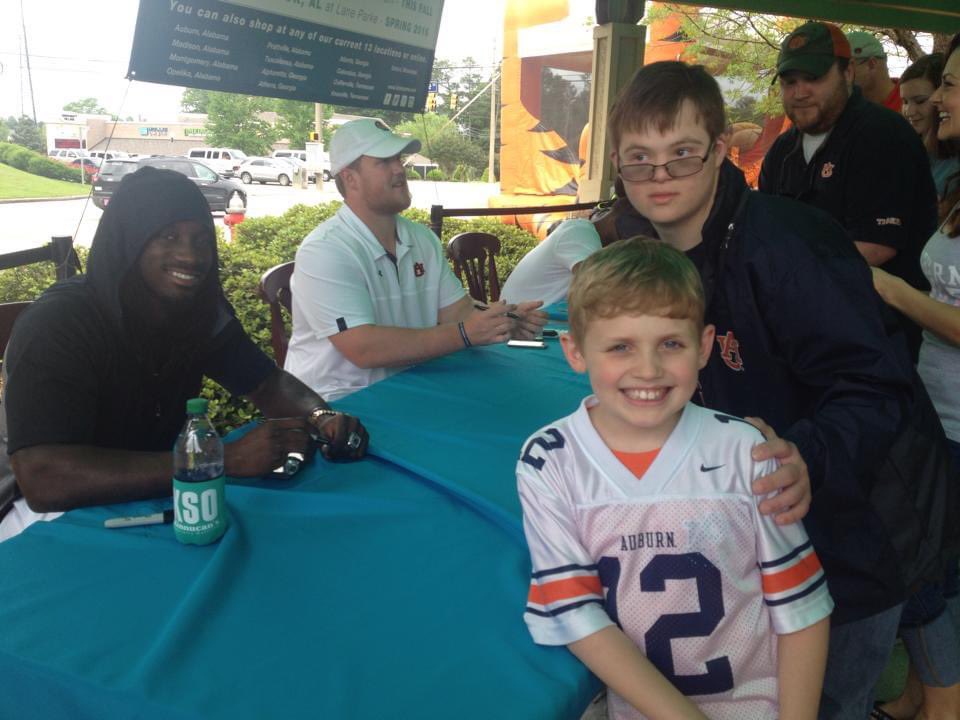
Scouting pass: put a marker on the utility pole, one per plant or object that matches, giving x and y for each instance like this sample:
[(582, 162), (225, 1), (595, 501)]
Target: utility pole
[(493, 127), (318, 128), (26, 51)]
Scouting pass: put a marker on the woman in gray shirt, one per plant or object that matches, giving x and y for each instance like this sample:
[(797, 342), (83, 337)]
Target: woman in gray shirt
[(928, 631)]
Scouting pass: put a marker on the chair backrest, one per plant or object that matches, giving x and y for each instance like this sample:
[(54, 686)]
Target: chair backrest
[(473, 255), (60, 252), (275, 291)]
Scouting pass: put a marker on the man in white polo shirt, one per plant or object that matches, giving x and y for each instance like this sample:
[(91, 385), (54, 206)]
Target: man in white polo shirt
[(372, 291)]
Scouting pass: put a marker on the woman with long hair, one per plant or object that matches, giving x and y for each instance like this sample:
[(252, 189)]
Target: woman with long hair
[(927, 627), (917, 85)]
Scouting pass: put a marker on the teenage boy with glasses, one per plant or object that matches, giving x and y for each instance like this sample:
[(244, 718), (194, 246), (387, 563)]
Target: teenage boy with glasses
[(800, 343)]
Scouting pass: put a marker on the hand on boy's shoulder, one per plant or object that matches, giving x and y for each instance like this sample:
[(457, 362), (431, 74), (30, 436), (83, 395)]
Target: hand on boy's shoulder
[(792, 502)]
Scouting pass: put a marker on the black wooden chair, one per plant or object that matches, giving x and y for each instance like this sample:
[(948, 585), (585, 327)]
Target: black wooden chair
[(274, 290), (60, 252), (473, 255)]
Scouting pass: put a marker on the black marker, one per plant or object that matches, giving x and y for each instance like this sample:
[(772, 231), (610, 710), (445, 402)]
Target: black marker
[(509, 314)]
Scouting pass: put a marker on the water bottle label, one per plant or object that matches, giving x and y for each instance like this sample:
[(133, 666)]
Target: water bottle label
[(199, 511)]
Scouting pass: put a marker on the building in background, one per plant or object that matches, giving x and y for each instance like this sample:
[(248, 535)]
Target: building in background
[(174, 137), (96, 132)]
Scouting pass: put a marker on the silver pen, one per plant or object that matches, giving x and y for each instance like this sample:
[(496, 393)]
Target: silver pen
[(158, 518)]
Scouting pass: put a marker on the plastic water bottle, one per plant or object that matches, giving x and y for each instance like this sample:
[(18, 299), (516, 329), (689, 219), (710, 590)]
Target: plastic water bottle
[(199, 503)]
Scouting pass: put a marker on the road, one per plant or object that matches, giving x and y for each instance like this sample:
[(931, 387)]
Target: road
[(31, 224)]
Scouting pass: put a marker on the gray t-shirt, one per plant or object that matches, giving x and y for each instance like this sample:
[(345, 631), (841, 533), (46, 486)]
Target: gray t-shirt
[(939, 363)]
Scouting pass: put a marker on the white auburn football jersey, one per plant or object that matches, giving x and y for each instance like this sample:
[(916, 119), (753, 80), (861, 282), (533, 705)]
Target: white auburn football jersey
[(681, 559)]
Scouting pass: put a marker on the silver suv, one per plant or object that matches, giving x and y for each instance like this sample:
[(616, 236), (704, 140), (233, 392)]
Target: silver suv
[(264, 170)]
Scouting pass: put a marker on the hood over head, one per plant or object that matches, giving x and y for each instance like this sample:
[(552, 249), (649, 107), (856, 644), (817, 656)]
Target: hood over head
[(145, 202)]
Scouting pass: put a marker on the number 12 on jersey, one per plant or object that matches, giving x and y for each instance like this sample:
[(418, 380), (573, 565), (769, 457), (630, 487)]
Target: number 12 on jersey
[(694, 566)]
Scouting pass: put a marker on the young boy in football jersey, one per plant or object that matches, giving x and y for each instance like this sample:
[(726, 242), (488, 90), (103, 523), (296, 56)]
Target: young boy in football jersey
[(651, 560)]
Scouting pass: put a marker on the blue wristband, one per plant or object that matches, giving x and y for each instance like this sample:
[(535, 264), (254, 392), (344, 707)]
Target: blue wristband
[(463, 335)]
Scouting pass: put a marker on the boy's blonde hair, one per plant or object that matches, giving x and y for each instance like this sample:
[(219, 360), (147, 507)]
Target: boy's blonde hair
[(639, 276)]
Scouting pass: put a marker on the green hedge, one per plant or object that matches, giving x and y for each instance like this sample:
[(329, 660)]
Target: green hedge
[(28, 281), (260, 244), (29, 161)]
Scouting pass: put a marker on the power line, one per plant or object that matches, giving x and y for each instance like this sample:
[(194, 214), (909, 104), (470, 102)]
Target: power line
[(67, 57)]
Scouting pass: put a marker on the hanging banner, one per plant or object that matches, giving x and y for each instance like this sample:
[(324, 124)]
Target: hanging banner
[(361, 53)]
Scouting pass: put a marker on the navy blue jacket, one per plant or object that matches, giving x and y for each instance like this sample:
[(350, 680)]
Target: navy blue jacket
[(802, 343)]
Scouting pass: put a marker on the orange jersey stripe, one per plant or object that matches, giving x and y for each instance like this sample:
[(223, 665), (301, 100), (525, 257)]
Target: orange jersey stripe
[(791, 577), (558, 590)]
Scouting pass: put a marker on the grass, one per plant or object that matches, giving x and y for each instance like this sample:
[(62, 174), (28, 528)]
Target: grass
[(17, 184)]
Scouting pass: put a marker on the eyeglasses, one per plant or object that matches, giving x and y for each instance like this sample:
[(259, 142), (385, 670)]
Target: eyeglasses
[(679, 168)]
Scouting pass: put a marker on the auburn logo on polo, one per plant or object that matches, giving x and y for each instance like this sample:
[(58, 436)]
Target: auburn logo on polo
[(730, 351), (827, 170), (418, 270)]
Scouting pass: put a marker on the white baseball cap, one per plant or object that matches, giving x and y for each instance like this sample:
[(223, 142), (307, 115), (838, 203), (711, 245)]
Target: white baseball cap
[(366, 136)]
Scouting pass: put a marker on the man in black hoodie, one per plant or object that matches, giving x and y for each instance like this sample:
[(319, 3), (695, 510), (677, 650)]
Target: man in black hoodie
[(800, 344), (99, 368)]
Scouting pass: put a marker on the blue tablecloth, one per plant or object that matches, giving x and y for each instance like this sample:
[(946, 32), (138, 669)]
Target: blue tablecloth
[(388, 588)]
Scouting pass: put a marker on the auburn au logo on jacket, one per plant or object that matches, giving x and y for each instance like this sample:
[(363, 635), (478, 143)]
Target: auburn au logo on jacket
[(730, 351)]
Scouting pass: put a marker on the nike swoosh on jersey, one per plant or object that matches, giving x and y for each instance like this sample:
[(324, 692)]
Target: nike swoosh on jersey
[(706, 468)]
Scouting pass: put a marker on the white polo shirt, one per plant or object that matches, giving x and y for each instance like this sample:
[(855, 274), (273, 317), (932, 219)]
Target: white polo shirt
[(343, 278), (545, 272)]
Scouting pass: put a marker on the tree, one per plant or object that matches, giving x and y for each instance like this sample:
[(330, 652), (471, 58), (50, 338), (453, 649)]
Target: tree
[(443, 143), (745, 110), (295, 121), (195, 100), (4, 131), (743, 46), (86, 106), (449, 150), (234, 121), (565, 106), (467, 80), (24, 131)]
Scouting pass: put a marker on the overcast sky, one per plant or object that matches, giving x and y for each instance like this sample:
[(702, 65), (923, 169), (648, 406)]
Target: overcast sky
[(82, 49)]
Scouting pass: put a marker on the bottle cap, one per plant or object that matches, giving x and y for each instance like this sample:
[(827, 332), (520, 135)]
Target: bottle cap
[(197, 406)]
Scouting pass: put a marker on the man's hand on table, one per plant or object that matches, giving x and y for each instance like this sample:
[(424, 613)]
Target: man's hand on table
[(530, 321), (792, 503), (266, 447), (489, 325), (345, 436)]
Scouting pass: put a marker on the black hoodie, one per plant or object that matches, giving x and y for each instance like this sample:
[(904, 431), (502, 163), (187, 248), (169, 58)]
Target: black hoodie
[(80, 366)]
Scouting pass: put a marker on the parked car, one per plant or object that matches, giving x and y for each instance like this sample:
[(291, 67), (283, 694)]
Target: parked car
[(108, 154), (301, 157), (225, 161), (264, 170), (66, 154), (219, 192), (91, 166)]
